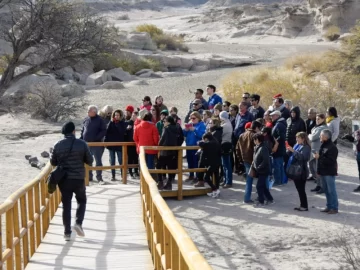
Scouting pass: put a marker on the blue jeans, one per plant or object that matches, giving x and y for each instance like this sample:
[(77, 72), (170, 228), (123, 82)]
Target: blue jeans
[(329, 187), (150, 161), (97, 152), (192, 160), (226, 163), (249, 182), (112, 160), (279, 170)]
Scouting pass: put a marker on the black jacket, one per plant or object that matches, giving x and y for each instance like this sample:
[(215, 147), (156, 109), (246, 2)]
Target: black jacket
[(93, 130), (309, 126), (279, 133), (285, 113), (327, 163), (129, 135), (74, 164), (262, 159), (294, 125), (115, 132), (210, 154), (169, 138), (217, 133)]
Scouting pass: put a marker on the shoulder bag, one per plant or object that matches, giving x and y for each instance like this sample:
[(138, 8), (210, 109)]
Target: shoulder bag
[(58, 174)]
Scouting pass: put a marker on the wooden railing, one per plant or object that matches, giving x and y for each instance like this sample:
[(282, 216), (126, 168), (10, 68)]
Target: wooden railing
[(170, 246), (124, 166), (28, 212)]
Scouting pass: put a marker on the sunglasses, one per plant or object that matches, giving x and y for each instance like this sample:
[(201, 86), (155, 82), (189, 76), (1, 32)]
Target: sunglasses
[(245, 97), (195, 104)]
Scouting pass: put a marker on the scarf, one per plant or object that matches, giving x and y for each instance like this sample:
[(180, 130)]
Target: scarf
[(329, 119), (297, 148), (116, 121)]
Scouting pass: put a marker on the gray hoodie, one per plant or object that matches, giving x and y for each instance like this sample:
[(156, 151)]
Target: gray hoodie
[(334, 127)]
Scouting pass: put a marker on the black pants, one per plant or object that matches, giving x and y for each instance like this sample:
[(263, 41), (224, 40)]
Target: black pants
[(262, 189), (212, 171), (67, 188), (166, 162), (300, 186), (133, 158)]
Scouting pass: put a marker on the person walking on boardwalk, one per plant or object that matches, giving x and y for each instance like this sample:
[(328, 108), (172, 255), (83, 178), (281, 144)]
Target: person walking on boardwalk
[(72, 153), (93, 130)]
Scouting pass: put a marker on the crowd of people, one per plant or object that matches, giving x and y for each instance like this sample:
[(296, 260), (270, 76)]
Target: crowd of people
[(273, 145)]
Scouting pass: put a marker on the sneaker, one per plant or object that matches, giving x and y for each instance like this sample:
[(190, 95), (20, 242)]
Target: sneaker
[(136, 174), (269, 202), (320, 191), (67, 237), (326, 210), (189, 179), (199, 184), (248, 202), (113, 178), (333, 211), (357, 189), (79, 230), (101, 183), (258, 205), (211, 194), (227, 186), (216, 193), (160, 185)]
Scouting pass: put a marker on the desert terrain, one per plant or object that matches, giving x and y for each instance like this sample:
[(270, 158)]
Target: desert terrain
[(230, 235)]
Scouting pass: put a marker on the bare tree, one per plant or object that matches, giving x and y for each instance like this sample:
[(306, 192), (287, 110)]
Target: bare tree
[(50, 33), (47, 103)]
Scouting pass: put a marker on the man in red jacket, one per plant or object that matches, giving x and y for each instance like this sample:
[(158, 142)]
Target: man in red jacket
[(146, 134)]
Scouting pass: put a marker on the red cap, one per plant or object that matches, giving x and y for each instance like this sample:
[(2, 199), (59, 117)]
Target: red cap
[(277, 96), (129, 108), (248, 125)]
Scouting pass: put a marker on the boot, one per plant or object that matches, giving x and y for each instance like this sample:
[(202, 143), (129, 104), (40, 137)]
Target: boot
[(316, 189), (168, 185), (160, 185), (199, 184)]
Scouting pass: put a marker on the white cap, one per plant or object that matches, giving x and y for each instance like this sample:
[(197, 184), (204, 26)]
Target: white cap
[(275, 113)]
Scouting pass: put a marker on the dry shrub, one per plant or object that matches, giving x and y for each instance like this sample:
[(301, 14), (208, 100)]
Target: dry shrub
[(153, 30), (320, 91), (332, 33), (162, 40), (307, 64), (45, 102), (123, 17), (348, 245)]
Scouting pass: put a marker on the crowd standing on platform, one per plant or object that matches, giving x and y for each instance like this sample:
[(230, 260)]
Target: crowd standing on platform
[(273, 145)]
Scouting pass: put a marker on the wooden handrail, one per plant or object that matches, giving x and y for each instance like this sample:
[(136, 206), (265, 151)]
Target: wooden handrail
[(28, 212), (170, 245)]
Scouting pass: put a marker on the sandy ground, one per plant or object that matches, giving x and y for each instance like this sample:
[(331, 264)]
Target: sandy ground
[(233, 235)]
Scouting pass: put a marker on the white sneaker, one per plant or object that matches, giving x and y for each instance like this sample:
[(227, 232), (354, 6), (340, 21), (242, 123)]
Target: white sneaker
[(216, 193), (211, 194), (101, 183), (79, 230)]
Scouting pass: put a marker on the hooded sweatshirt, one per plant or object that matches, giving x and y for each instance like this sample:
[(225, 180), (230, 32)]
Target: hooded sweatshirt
[(146, 134), (294, 125), (227, 127)]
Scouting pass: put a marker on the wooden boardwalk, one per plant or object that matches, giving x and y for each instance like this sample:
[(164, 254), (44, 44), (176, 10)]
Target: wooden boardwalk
[(115, 234)]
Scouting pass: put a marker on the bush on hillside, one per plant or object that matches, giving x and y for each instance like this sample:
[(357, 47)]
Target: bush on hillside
[(108, 61), (332, 33), (123, 17), (162, 40)]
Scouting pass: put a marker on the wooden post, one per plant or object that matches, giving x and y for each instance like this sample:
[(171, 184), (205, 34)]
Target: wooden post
[(44, 217), (17, 235), (87, 177), (31, 218), (24, 225), (175, 260), (10, 238), (37, 211), (167, 248), (180, 175), (125, 163)]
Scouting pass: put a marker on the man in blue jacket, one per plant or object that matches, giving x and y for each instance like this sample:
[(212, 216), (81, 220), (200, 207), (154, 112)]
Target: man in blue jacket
[(94, 130), (213, 98), (242, 118), (279, 134)]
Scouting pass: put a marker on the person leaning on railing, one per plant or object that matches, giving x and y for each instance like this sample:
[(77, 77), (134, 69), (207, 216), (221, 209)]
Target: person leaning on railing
[(74, 182)]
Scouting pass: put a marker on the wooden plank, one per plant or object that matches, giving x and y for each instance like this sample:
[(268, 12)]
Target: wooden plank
[(115, 234)]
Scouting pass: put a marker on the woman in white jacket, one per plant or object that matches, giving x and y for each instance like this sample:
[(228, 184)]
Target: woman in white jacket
[(226, 148), (333, 123)]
